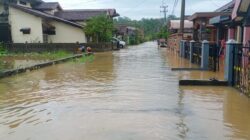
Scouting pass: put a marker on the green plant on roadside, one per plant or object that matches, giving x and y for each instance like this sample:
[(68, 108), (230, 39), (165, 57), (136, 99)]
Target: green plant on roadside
[(3, 51), (85, 58)]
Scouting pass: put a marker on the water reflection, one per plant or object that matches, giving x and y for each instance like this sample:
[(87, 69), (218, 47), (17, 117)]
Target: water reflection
[(129, 94)]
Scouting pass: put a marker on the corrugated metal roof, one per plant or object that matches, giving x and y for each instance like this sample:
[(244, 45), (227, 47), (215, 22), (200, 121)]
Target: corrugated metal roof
[(48, 6), (175, 24), (45, 15), (85, 14)]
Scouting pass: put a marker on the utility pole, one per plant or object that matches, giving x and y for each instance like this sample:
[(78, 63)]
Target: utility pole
[(164, 11), (182, 16)]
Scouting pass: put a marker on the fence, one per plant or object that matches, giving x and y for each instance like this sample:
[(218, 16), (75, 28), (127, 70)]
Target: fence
[(214, 61), (187, 50), (241, 69), (196, 55), (51, 47)]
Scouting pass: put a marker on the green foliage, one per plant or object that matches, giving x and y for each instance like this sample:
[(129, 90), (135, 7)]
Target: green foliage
[(85, 58), (100, 28), (163, 33), (151, 27), (3, 51), (51, 55)]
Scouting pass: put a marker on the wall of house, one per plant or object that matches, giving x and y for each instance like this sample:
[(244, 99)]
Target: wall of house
[(18, 20), (1, 8), (67, 34)]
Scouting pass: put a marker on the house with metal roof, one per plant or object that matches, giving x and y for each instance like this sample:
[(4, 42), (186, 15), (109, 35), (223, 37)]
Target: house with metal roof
[(36, 21)]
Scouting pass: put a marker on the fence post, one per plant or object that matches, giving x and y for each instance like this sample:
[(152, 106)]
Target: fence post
[(205, 55), (229, 62), (191, 51)]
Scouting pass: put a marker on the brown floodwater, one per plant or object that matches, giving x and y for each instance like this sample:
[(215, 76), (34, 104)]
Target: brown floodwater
[(130, 94)]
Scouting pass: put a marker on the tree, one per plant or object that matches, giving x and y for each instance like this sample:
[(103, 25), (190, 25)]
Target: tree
[(163, 33), (100, 28)]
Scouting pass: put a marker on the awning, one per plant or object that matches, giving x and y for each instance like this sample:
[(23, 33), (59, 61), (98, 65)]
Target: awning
[(219, 20)]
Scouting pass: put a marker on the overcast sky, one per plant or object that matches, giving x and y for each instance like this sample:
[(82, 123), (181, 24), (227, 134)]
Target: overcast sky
[(137, 9)]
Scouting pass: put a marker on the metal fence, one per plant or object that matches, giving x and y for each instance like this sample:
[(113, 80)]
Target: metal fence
[(214, 61), (241, 70), (187, 50), (196, 56)]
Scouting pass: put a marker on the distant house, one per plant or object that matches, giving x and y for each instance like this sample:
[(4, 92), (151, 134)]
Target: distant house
[(35, 21), (174, 27), (202, 29), (223, 23), (83, 15), (128, 33)]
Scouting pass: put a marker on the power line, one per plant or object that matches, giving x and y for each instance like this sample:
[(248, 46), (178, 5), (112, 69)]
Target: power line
[(174, 6)]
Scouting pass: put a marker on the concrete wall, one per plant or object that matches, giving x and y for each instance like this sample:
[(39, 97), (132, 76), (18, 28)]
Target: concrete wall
[(18, 20), (67, 34), (51, 47)]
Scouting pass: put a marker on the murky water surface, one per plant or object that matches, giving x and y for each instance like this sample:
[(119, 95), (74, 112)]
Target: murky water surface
[(126, 95)]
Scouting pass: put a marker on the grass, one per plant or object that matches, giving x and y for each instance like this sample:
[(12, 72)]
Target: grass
[(84, 59)]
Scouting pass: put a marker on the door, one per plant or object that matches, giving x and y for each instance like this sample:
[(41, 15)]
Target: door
[(5, 33)]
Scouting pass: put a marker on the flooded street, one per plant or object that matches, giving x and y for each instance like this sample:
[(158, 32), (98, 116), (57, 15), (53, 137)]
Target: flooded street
[(130, 94)]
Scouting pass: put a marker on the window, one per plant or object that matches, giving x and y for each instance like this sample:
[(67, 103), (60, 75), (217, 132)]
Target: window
[(23, 2), (25, 30), (45, 38)]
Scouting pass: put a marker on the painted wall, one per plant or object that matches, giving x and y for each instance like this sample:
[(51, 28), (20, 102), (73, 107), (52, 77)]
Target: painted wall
[(18, 20), (66, 34), (1, 8)]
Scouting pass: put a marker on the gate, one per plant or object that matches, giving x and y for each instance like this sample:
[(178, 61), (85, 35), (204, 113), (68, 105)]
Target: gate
[(196, 56), (241, 59), (187, 50), (214, 61), (5, 33)]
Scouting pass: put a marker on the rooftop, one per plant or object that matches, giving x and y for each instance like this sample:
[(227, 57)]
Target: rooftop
[(175, 24), (206, 15), (85, 14), (45, 15), (48, 6)]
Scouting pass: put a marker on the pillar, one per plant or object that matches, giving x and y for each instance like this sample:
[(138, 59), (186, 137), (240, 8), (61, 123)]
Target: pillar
[(239, 34), (205, 55), (231, 33), (219, 30), (191, 51), (246, 35), (229, 62)]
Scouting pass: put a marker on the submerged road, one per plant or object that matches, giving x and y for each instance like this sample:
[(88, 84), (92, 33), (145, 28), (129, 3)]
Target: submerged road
[(129, 94)]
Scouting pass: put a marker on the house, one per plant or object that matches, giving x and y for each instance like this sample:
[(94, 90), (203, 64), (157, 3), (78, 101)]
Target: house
[(175, 37), (129, 33), (225, 28), (83, 15), (36, 21), (241, 14), (174, 27), (202, 29)]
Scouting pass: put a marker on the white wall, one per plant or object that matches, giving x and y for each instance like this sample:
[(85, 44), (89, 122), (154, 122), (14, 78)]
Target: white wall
[(1, 8), (67, 34), (18, 20)]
